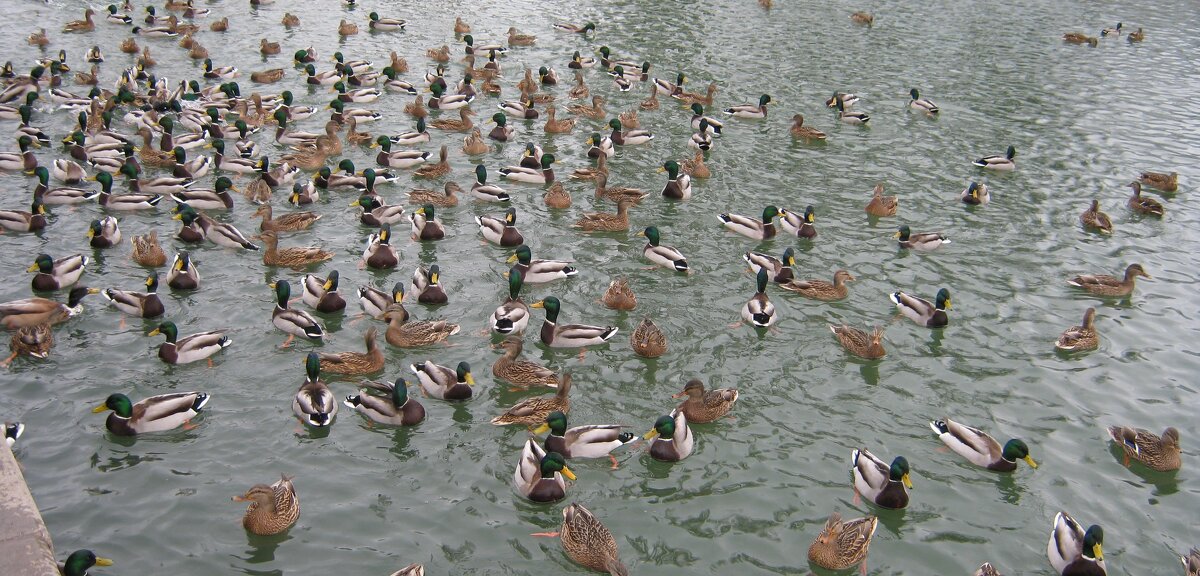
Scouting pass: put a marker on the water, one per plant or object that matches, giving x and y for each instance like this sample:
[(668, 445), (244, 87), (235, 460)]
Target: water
[(758, 487)]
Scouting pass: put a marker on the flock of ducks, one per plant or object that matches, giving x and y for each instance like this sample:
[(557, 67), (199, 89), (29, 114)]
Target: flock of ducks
[(168, 125)]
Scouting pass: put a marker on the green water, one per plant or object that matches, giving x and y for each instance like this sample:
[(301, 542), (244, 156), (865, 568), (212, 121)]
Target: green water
[(758, 488)]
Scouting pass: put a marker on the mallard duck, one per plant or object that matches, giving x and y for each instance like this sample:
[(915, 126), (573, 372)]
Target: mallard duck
[(80, 561), (444, 383), (191, 348), (191, 169), (35, 219), (218, 233), (1116, 31), (270, 76), (361, 95), (580, 89), (501, 231), (461, 27), (705, 99), (976, 194), (272, 509), (67, 171), (750, 110), (347, 28), (556, 126), (860, 343), (1157, 453), (393, 408), (1142, 204), (986, 569), (445, 198), (292, 321), (592, 441), (144, 304), (400, 158), (671, 439), (322, 294), (614, 193), (540, 271), (425, 225), (462, 124), (1073, 552), (841, 545), (759, 310), (882, 484), (923, 104), (595, 111), (924, 312), (314, 404), (375, 213), (142, 187), (647, 340), (696, 167), (1080, 38), (520, 372), (779, 269), (38, 38), (619, 296), (58, 196), (85, 25), (1161, 181), (607, 221), (512, 316), (404, 334), (518, 39), (375, 302), (183, 274), (368, 362), (442, 101), (473, 144), (153, 414), (1191, 562), (237, 165), (820, 289), (303, 194), (1136, 36), (678, 187), (286, 223), (622, 137), (294, 257), (587, 541), (1105, 285), (539, 475), (1004, 162), (55, 274), (385, 24), (502, 132), (534, 411), (33, 311), (981, 449), (379, 253), (146, 251), (919, 241), (426, 287), (862, 18), (569, 27), (569, 335), (1082, 337), (222, 25), (33, 341), (799, 130), (437, 170), (665, 256), (850, 116), (208, 198), (1094, 219), (757, 229)]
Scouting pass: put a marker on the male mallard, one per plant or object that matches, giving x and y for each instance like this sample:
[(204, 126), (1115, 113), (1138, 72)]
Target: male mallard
[(981, 449), (313, 403), (34, 341), (502, 132), (294, 257), (153, 414), (705, 406), (520, 109), (671, 439), (104, 233), (194, 168), (607, 221), (622, 137), (26, 161), (923, 104), (542, 175), (272, 509), (1073, 552), (58, 196), (860, 343), (534, 411), (144, 304), (183, 274), (539, 475), (591, 441), (1116, 31), (1161, 181), (33, 311), (841, 545), (882, 484), (512, 316), (668, 88), (919, 241), (322, 293), (1004, 162), (404, 334), (1157, 453), (1094, 219), (800, 226), (385, 24), (35, 219), (750, 110), (425, 225), (976, 194), (749, 227), (849, 116), (569, 335), (1080, 38), (619, 296), (481, 190), (426, 286), (190, 348), (124, 201), (678, 187), (600, 146), (779, 269), (80, 561), (445, 383), (360, 95), (379, 253), (1105, 285), (1082, 337), (501, 231), (55, 274), (69, 172), (799, 130), (375, 302), (393, 408), (143, 186), (587, 541), (1142, 204), (820, 289), (368, 362), (924, 312), (759, 311), (292, 321), (665, 256), (540, 271), (647, 340), (442, 101), (520, 372)]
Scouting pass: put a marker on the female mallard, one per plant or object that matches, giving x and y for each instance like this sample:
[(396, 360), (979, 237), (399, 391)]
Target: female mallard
[(1142, 204), (379, 253), (749, 227), (191, 348), (404, 334), (1080, 38), (437, 169), (1094, 219), (143, 304), (986, 569), (696, 167), (285, 223), (322, 293), (841, 545), (1073, 552), (671, 439), (1191, 562), (534, 411), (501, 231), (569, 335), (924, 312), (183, 274), (1136, 36), (1004, 162), (622, 137), (425, 225), (799, 130), (542, 175), (981, 449), (923, 104), (153, 414), (540, 271), (705, 406), (442, 382), (35, 219), (539, 475), (1104, 285), (587, 541), (375, 303), (481, 190), (820, 289), (55, 274), (292, 321), (426, 285), (80, 561), (882, 484), (591, 441), (393, 408), (759, 311), (272, 509), (976, 194), (647, 340), (519, 372), (1157, 453), (34, 341), (314, 404), (473, 144), (33, 311), (1082, 337), (607, 221), (860, 343), (779, 269), (368, 362), (920, 241), (446, 198), (555, 125), (294, 257), (1161, 181), (665, 256), (614, 193), (678, 187), (619, 296), (463, 123)]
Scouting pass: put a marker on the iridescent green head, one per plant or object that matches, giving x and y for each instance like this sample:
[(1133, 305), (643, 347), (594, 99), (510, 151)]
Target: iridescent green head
[(553, 462), (943, 299), (481, 173), (312, 367), (167, 329), (651, 234), (664, 428), (1016, 449), (515, 281), (78, 563), (118, 403), (898, 472)]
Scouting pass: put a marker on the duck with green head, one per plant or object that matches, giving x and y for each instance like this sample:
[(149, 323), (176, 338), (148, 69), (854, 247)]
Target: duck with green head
[(512, 316), (799, 225), (979, 448), (679, 186), (153, 414), (622, 137), (390, 405), (59, 196), (924, 312), (502, 132), (501, 231), (539, 475), (1074, 552), (885, 485), (750, 110), (544, 174), (142, 304), (443, 382), (190, 348), (671, 438), (486, 192), (54, 274), (425, 224), (749, 227), (759, 311), (31, 221), (665, 256), (80, 561), (292, 321), (314, 404), (590, 441), (540, 271), (555, 335), (217, 198)]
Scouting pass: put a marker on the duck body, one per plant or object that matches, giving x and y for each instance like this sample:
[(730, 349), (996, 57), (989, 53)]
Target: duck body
[(1082, 337), (501, 231), (273, 509), (314, 404), (191, 348), (143, 304), (979, 448), (1003, 163), (1159, 453), (322, 293), (519, 372), (759, 311), (443, 382), (751, 228), (154, 414), (1074, 552), (55, 274), (541, 476), (924, 312), (393, 407), (705, 405), (841, 545), (671, 438), (878, 482), (569, 335)]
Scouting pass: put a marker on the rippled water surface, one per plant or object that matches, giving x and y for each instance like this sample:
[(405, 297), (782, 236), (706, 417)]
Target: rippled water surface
[(759, 486)]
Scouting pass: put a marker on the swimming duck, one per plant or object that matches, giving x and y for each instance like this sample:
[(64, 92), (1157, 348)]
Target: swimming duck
[(665, 256), (393, 83), (501, 231), (146, 251), (542, 175), (841, 545), (921, 241), (1080, 38), (1144, 205), (59, 196), (426, 286), (820, 289), (1159, 453), (622, 137), (587, 541), (481, 190), (292, 321), (404, 334), (462, 124), (286, 138), (399, 158), (1191, 562), (85, 25), (33, 311), (143, 304), (376, 213), (860, 343), (600, 146), (361, 95), (474, 144), (218, 72), (591, 441), (159, 185), (779, 269), (922, 311), (1136, 36), (183, 274), (375, 303), (1094, 219), (678, 187), (443, 382), (303, 193), (154, 414), (849, 116), (540, 271), (195, 168), (461, 27), (116, 17), (368, 362), (607, 221), (750, 110), (25, 160), (759, 311), (272, 509), (671, 438), (502, 132), (863, 18), (442, 101), (884, 485), (236, 165), (1073, 552), (1082, 337), (518, 39), (702, 140), (534, 411), (33, 341), (218, 233), (512, 316), (471, 48), (539, 475), (385, 24), (322, 293), (436, 170), (1004, 162), (208, 198), (579, 62), (647, 340), (757, 229), (712, 127), (1161, 181), (975, 194), (1105, 285), (191, 348), (619, 295), (379, 253), (520, 372), (222, 25), (55, 274), (80, 561), (569, 335), (981, 449), (923, 104), (705, 99), (447, 197), (394, 407), (35, 219), (285, 223), (425, 225)]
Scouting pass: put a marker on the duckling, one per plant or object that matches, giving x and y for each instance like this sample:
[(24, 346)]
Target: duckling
[(647, 340), (183, 274), (146, 250), (57, 274)]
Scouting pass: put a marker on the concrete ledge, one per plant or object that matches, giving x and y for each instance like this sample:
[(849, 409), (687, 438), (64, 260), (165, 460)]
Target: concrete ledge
[(25, 546)]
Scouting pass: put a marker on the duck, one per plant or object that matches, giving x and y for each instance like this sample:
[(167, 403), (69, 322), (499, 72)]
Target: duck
[(1160, 180), (33, 311), (1105, 285), (1136, 36), (1142, 204), (1191, 562), (622, 137), (862, 18), (85, 25), (848, 99), (393, 83), (702, 140), (882, 484), (591, 173), (759, 311), (1080, 38), (385, 24), (502, 132), (361, 95), (214, 72), (647, 340), (292, 321), (975, 194), (235, 165), (849, 116), (115, 17), (595, 111), (444, 383), (860, 343), (705, 124), (607, 221), (1082, 337), (426, 286), (58, 196), (841, 545), (750, 110), (541, 476), (26, 161), (379, 253), (520, 372), (375, 303), (619, 295), (446, 198), (393, 407), (614, 193), (33, 341), (779, 269), (473, 144), (587, 541), (269, 76), (404, 334), (294, 257), (1094, 219), (569, 335), (1159, 453), (923, 104), (461, 27), (471, 48), (146, 250), (981, 449), (425, 224), (757, 229), (183, 274), (442, 101), (218, 233), (463, 123), (665, 256), (35, 219), (154, 414), (286, 138), (143, 186), (436, 170), (799, 130), (671, 439), (678, 187), (376, 213), (197, 167), (600, 146), (512, 316), (1003, 163), (924, 312), (920, 241), (273, 509), (820, 289), (217, 198), (57, 274), (303, 193), (347, 28), (554, 125), (1116, 31), (355, 363), (38, 38), (191, 348), (579, 62), (501, 231), (222, 25), (322, 293), (399, 158), (285, 223), (533, 411), (80, 561), (411, 138), (540, 271), (1073, 552), (142, 304), (326, 78)]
